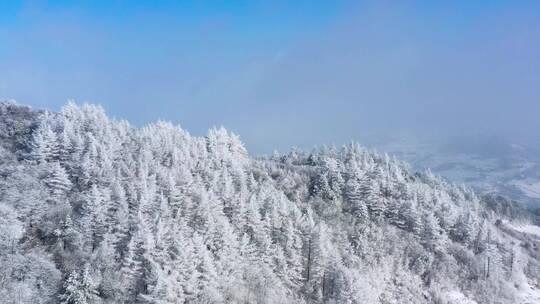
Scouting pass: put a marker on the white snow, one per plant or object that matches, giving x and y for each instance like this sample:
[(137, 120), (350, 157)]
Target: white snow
[(526, 228), (529, 294), (531, 189), (457, 297)]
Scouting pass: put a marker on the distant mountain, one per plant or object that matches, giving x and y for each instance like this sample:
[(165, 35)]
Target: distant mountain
[(94, 210), (488, 163)]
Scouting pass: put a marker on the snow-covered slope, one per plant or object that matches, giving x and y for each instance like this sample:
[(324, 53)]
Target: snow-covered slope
[(530, 188), (525, 241), (94, 210), (526, 228)]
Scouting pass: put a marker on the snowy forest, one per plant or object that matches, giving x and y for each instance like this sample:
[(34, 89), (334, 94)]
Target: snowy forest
[(96, 210)]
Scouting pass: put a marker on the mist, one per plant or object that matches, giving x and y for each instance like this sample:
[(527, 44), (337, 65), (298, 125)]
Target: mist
[(385, 71), (317, 75)]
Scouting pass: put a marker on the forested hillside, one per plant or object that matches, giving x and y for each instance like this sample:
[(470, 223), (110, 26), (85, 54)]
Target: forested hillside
[(95, 210)]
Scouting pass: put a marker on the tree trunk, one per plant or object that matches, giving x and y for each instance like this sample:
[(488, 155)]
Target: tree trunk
[(308, 260)]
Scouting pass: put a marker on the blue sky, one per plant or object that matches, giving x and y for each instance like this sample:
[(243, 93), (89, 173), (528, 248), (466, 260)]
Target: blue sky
[(283, 73)]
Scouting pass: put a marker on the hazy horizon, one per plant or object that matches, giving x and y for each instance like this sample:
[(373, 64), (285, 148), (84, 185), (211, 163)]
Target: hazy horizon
[(330, 72)]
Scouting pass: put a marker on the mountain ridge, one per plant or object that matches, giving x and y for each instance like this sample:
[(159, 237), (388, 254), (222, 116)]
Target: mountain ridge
[(95, 210)]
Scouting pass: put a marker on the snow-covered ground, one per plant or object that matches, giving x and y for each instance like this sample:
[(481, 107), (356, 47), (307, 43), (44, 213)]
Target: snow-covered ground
[(457, 297), (531, 189), (526, 228), (529, 293)]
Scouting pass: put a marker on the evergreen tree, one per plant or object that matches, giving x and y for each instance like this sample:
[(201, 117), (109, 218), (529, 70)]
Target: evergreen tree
[(293, 247), (44, 145), (432, 235), (93, 217), (207, 278), (69, 237), (79, 288), (480, 243), (462, 230), (370, 189), (118, 216), (355, 204), (57, 180), (132, 267), (413, 220), (321, 187)]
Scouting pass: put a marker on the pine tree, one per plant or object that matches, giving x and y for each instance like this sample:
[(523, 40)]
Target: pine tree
[(67, 234), (293, 246), (462, 230), (79, 288), (335, 180), (57, 180), (155, 284), (185, 263), (319, 257), (321, 187), (65, 148), (118, 216), (480, 243), (354, 202), (413, 220), (93, 216), (44, 145), (40, 148), (395, 215), (370, 190), (132, 267), (432, 236), (345, 294), (207, 277), (90, 162), (178, 194)]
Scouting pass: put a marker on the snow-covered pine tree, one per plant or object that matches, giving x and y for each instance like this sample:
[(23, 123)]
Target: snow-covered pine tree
[(371, 194), (432, 234), (354, 202), (45, 145), (79, 288), (57, 180), (93, 216), (131, 267)]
